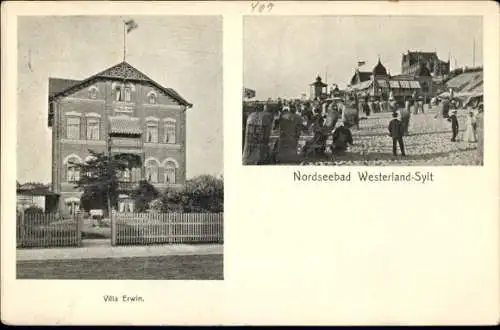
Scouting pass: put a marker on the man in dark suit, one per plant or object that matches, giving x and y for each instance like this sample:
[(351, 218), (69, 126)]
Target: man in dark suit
[(396, 131), (454, 125)]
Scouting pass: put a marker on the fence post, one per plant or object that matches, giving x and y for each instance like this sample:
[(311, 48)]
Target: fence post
[(113, 228), (23, 230), (79, 224)]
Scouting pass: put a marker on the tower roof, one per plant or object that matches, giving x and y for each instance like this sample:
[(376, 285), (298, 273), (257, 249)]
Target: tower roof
[(319, 82), (379, 69)]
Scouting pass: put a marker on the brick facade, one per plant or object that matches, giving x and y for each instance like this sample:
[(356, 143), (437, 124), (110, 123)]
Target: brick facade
[(96, 99)]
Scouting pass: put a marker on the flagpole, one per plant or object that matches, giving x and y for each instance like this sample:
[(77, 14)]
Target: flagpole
[(473, 52), (124, 40)]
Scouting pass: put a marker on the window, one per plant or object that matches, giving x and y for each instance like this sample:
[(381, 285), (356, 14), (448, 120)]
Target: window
[(93, 92), (125, 203), (170, 130), (152, 133), (93, 129), (124, 175), (72, 170), (73, 128), (152, 171), (127, 94), (118, 94), (152, 98), (73, 208), (135, 174), (169, 173)]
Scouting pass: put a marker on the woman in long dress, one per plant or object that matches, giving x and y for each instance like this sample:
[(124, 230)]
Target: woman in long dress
[(470, 128)]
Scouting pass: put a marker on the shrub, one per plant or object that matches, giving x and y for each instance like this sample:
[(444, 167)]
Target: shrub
[(33, 210)]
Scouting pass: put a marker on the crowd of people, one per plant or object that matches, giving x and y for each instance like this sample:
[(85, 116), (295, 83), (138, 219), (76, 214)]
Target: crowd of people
[(332, 118)]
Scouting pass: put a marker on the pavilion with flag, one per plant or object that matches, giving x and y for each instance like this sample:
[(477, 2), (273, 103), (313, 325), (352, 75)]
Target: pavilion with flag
[(248, 93)]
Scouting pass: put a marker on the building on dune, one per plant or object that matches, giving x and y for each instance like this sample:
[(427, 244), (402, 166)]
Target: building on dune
[(412, 61), (379, 83)]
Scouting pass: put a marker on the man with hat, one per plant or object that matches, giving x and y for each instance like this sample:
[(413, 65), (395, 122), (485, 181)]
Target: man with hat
[(454, 125), (396, 132)]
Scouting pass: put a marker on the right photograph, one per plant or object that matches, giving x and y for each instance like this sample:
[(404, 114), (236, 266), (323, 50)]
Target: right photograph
[(363, 90)]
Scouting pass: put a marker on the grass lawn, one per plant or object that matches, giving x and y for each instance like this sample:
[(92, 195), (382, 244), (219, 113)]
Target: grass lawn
[(189, 267)]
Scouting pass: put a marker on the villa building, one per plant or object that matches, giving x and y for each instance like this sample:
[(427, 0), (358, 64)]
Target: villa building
[(120, 111)]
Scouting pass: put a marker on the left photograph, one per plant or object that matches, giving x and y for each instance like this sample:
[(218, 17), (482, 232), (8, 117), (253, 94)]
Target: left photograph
[(120, 148)]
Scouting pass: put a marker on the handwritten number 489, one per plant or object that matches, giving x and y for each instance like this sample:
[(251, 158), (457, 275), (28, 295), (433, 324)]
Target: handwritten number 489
[(260, 7)]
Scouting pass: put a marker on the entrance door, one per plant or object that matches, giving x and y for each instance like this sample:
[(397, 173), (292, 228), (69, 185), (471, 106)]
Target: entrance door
[(126, 204)]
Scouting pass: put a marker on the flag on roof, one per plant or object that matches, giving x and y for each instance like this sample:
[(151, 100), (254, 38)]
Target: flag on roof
[(361, 63), (249, 93), (131, 25)]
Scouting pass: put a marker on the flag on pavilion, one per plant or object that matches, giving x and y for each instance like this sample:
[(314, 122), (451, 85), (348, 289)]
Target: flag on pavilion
[(131, 25), (249, 93), (361, 63)]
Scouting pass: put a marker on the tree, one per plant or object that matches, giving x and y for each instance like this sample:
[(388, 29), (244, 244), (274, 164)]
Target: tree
[(172, 200), (204, 193), (144, 195), (99, 178)]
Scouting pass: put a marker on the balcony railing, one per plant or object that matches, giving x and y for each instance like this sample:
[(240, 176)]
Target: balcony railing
[(124, 142), (128, 185)]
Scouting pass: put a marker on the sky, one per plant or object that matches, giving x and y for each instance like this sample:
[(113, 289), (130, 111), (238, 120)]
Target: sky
[(180, 52), (283, 54)]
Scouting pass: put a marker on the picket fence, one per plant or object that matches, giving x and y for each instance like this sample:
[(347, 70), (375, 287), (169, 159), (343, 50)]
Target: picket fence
[(156, 228), (38, 230)]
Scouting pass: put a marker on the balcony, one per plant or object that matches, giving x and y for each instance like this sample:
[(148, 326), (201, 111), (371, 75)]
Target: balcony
[(123, 107), (127, 185)]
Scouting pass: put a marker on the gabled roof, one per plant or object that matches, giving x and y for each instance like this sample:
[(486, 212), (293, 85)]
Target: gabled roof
[(57, 85), (363, 76), (120, 71), (32, 190)]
